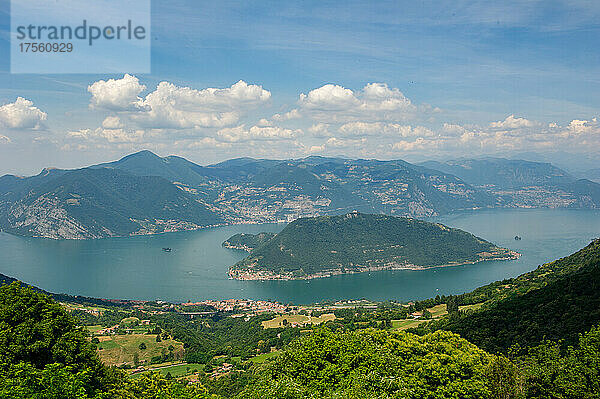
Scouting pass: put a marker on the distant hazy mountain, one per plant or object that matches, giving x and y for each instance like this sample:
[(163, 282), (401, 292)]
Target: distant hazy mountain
[(567, 161), (517, 183), (592, 174), (172, 168), (355, 242), (503, 173), (143, 193)]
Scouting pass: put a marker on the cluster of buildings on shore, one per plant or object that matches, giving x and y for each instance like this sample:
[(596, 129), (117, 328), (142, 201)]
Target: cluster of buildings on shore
[(241, 305)]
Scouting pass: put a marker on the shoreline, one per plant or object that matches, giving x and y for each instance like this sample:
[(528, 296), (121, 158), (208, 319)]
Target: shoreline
[(263, 275), (136, 234), (432, 219), (244, 248)]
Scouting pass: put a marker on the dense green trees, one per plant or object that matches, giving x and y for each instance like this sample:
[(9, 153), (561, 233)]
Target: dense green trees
[(381, 364), (154, 386), (356, 241), (374, 363), (39, 341), (548, 372), (44, 355), (204, 338), (558, 301)]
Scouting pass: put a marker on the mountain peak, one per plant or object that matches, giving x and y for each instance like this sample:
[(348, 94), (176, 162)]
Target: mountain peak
[(143, 154)]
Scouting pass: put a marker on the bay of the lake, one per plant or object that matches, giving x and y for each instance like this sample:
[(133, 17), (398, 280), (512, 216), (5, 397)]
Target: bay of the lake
[(196, 268)]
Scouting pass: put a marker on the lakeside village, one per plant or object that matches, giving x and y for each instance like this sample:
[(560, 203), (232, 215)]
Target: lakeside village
[(144, 336), (234, 308)]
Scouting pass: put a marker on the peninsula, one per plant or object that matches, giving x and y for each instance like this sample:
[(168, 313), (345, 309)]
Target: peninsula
[(247, 242)]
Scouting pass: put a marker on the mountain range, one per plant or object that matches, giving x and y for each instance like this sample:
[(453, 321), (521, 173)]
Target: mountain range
[(523, 184), (143, 193)]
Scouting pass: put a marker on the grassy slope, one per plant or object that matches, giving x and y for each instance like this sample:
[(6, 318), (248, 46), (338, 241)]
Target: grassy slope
[(118, 349), (559, 300)]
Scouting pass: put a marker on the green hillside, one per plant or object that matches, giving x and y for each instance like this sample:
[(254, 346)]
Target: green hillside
[(355, 242), (93, 203), (557, 301)]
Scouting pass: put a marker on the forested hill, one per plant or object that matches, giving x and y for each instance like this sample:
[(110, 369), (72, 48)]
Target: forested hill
[(94, 203), (355, 242), (557, 301)]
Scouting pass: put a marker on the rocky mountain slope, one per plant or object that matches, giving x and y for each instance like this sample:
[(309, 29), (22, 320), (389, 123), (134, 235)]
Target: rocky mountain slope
[(143, 193), (95, 203)]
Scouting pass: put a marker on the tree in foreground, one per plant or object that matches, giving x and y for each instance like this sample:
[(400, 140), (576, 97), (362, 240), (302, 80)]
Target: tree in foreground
[(375, 364), (44, 355)]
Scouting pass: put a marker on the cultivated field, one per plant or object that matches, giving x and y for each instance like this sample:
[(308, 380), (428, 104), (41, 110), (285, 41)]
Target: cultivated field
[(436, 312), (264, 356), (119, 349), (298, 319)]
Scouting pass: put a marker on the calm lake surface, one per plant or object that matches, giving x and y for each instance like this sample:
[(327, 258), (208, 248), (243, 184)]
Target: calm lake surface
[(196, 269)]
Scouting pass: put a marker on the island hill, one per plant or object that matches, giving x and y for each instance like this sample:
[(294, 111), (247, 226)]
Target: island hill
[(330, 245)]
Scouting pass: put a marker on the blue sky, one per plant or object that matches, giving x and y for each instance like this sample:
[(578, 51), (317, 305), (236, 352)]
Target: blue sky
[(455, 79)]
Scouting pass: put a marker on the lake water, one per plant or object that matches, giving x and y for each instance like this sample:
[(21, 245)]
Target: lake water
[(196, 269)]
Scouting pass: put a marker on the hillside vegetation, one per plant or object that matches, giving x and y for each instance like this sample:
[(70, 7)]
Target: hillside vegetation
[(355, 242), (370, 363), (356, 354), (557, 301)]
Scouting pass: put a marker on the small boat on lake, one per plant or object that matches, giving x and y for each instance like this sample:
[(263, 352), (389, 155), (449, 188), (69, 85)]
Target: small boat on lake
[(517, 238), (167, 249)]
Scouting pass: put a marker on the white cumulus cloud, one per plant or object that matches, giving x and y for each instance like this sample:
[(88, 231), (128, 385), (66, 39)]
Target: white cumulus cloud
[(383, 129), (374, 102), (112, 122), (101, 134), (21, 114), (511, 122), (117, 94), (173, 107)]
